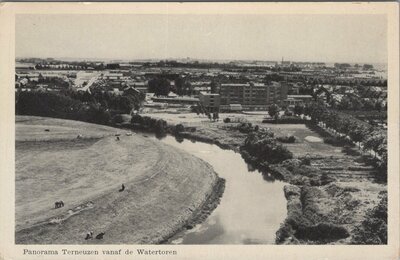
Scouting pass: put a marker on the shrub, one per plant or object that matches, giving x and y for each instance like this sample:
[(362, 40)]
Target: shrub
[(306, 161), (227, 120), (137, 119), (245, 128), (179, 128), (286, 139), (373, 230), (283, 233), (118, 119), (338, 141), (322, 231), (264, 148), (285, 120), (291, 164), (159, 125)]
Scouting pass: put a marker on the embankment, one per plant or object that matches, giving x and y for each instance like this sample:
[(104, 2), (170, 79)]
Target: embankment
[(166, 189)]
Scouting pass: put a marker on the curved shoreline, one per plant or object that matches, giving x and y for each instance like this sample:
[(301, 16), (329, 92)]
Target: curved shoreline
[(147, 212), (200, 214)]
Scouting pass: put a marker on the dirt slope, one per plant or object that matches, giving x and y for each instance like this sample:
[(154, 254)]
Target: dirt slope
[(164, 185)]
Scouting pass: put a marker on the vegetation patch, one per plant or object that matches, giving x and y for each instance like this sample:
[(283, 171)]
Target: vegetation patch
[(286, 139), (373, 230)]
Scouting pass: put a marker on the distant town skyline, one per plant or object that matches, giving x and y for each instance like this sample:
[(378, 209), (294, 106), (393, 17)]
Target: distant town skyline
[(298, 38)]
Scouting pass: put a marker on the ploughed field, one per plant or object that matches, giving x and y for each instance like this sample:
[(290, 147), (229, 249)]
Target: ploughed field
[(163, 185)]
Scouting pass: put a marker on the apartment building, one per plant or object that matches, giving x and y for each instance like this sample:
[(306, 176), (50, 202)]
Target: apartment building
[(210, 101), (253, 96)]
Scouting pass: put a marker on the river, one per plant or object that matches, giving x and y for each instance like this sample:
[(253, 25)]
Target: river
[(252, 207)]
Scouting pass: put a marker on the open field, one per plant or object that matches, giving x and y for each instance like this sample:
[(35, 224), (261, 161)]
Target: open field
[(217, 130), (164, 185)]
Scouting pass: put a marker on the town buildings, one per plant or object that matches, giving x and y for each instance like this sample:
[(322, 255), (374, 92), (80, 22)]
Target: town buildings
[(293, 100), (253, 96), (209, 101)]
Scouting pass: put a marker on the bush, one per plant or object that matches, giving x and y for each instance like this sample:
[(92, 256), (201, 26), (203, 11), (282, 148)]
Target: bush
[(245, 128), (373, 230), (283, 233), (179, 128), (118, 119), (285, 120), (338, 141), (137, 119), (306, 161), (265, 148), (160, 126), (322, 231), (286, 139), (227, 120), (291, 164)]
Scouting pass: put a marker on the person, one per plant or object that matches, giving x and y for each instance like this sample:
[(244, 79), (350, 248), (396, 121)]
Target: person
[(122, 188), (117, 138)]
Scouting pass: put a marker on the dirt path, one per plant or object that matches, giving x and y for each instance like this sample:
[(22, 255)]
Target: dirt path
[(163, 186)]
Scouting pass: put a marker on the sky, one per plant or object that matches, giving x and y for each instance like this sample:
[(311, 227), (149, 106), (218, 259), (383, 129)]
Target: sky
[(317, 38)]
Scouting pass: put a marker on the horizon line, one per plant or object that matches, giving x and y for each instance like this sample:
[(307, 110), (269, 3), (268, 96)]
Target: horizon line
[(194, 59)]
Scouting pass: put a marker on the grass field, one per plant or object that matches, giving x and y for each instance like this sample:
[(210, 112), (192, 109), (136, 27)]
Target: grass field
[(215, 130), (164, 185)]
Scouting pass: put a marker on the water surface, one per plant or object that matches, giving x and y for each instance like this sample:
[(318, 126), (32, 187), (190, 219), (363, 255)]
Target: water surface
[(252, 207)]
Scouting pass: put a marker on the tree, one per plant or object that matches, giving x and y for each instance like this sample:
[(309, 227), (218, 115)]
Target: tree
[(358, 133), (367, 67), (188, 88), (374, 140), (273, 110), (214, 87), (378, 106), (345, 103), (368, 104), (180, 86), (159, 86), (298, 109)]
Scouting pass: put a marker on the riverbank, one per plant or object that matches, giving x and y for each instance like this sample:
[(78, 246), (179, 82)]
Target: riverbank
[(166, 189), (340, 184), (201, 213)]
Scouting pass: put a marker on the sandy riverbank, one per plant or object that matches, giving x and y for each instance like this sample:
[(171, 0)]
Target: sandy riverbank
[(166, 188)]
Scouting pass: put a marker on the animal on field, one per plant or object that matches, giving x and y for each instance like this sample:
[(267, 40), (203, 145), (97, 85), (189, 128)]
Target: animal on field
[(89, 235), (58, 204), (101, 235), (122, 188)]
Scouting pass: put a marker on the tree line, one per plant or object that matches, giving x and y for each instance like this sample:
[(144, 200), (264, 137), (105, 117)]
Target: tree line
[(366, 136), (98, 108)]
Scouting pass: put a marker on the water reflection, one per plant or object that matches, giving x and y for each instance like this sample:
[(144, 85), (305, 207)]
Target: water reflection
[(252, 207)]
